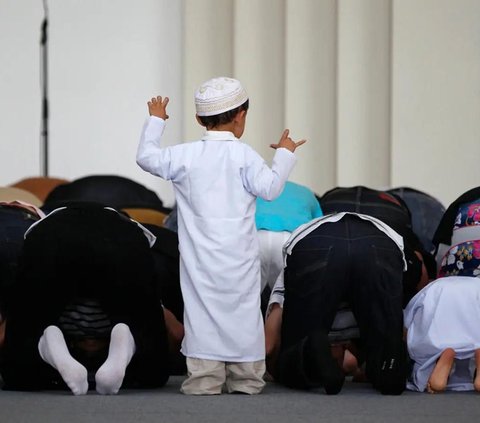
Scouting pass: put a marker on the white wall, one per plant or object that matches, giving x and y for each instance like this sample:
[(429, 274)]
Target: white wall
[(385, 91), (19, 89), (311, 89), (363, 96), (106, 60), (436, 96)]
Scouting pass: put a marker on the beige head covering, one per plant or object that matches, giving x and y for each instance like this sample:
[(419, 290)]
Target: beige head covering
[(219, 95), (8, 194)]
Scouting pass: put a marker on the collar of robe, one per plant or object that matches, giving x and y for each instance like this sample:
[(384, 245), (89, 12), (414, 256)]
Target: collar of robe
[(219, 136)]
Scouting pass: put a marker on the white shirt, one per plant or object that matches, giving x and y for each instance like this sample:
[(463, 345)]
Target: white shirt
[(216, 181)]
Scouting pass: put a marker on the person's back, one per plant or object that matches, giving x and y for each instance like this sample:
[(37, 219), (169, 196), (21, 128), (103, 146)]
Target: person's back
[(111, 190), (426, 213), (86, 277), (393, 211), (379, 204), (275, 220), (295, 206), (341, 258), (216, 180)]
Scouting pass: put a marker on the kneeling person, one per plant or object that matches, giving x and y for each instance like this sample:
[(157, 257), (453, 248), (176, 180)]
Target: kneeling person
[(86, 308), (346, 257)]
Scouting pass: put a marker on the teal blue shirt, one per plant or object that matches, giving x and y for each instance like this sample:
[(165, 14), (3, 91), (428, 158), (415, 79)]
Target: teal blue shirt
[(295, 206)]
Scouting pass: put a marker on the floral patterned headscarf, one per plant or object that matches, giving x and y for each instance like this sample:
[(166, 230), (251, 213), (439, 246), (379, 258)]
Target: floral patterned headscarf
[(462, 260), (468, 215)]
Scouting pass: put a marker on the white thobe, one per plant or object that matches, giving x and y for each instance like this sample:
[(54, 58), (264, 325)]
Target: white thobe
[(216, 181), (444, 314)]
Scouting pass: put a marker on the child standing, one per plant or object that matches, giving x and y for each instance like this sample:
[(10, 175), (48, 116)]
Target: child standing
[(216, 181)]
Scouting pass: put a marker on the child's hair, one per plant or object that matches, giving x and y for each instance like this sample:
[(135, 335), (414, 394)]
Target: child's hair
[(222, 118)]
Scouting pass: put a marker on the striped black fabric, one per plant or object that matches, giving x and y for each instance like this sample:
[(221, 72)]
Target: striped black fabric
[(85, 318)]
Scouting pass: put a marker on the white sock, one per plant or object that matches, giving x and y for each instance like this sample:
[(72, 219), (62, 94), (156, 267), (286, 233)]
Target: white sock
[(54, 351), (109, 376)]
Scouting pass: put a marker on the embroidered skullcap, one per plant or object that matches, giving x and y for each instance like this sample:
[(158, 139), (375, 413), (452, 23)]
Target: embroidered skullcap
[(219, 95)]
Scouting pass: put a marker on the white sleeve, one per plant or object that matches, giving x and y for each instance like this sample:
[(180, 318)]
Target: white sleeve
[(265, 182), (151, 157), (278, 293)]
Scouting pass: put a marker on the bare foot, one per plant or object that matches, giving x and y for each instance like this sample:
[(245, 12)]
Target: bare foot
[(350, 363), (439, 377), (476, 381)]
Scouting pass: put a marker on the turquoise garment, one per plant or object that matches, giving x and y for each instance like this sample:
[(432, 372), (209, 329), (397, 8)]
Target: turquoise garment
[(295, 206)]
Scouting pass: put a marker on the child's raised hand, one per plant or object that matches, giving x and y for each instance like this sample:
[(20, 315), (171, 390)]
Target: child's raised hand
[(287, 142), (158, 107)]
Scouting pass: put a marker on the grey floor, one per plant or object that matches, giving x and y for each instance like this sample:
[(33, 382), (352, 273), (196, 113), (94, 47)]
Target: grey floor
[(356, 403)]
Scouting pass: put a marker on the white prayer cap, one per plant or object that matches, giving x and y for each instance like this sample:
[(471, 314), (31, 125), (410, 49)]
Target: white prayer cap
[(219, 95)]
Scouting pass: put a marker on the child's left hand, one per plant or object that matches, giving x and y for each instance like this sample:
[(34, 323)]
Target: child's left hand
[(287, 142), (158, 107)]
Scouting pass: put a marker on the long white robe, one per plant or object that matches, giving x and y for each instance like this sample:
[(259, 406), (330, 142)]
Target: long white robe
[(216, 181), (444, 314)]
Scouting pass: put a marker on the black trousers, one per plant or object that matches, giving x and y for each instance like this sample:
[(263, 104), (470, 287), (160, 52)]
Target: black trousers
[(14, 221), (167, 268), (85, 252), (349, 260)]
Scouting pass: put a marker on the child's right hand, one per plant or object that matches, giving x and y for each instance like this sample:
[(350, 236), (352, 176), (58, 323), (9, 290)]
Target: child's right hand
[(158, 107), (287, 142)]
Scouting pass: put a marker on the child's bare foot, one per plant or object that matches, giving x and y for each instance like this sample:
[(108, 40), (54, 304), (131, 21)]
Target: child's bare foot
[(476, 381), (439, 377), (350, 363)]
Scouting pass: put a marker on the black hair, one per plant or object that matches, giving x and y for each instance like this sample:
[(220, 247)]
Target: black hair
[(223, 118)]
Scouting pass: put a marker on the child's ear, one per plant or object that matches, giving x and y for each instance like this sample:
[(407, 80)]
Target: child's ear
[(241, 114)]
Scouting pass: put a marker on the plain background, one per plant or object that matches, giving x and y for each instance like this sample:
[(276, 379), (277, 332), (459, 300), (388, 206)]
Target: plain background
[(387, 92)]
